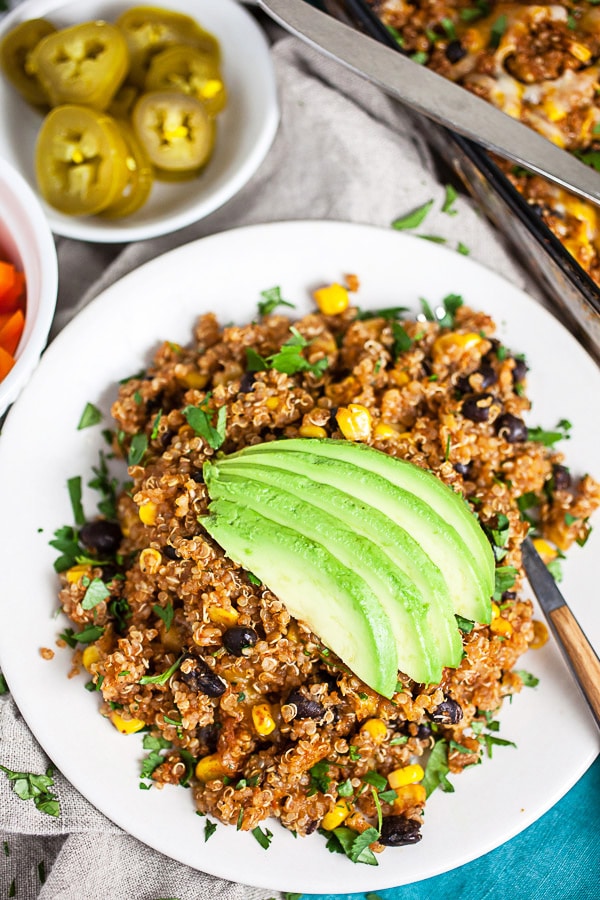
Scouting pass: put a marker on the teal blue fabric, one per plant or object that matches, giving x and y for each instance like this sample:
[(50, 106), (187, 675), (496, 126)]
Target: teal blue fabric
[(556, 858)]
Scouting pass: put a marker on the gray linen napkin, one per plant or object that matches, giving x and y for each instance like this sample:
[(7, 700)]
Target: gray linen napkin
[(344, 151)]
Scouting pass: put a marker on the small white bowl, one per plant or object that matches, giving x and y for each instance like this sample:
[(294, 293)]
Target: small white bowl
[(245, 129), (27, 242)]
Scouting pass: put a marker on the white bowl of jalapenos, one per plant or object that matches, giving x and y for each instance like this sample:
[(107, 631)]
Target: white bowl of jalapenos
[(131, 120)]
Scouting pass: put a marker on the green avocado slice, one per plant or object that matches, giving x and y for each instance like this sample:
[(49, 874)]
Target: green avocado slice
[(336, 603), (418, 655), (397, 549), (372, 477)]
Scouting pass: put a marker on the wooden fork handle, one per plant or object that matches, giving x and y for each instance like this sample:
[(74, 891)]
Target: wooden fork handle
[(580, 655)]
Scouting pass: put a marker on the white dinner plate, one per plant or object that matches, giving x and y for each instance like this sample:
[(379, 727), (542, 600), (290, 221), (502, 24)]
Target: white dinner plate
[(41, 448)]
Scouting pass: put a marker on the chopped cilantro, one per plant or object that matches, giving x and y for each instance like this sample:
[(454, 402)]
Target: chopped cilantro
[(434, 238), (3, 685), (264, 838), (497, 31), (414, 218), (137, 449), (450, 200), (491, 740), (319, 778), (462, 248), (402, 341), (374, 778), (549, 438), (86, 636), (200, 419), (527, 678), (448, 26), (288, 359), (356, 846), (569, 519), (396, 35), (165, 614), (451, 303), (388, 796), (91, 415), (163, 677), (458, 748), (386, 312), (155, 425), (345, 789), (354, 753), (471, 13), (74, 489), (505, 577), (209, 829), (555, 569), (436, 770), (28, 786), (465, 625), (253, 579), (96, 592), (107, 486), (272, 299), (12, 890), (400, 739), (420, 57)]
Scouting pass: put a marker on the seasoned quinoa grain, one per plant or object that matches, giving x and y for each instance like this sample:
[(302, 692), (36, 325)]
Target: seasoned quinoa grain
[(253, 711)]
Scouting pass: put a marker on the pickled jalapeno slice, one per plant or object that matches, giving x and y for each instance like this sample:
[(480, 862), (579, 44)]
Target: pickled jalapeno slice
[(82, 64), (175, 130), (140, 177), (15, 52), (81, 160), (191, 71)]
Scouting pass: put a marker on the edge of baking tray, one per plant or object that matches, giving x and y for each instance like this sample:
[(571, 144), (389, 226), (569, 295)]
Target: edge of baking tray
[(575, 298)]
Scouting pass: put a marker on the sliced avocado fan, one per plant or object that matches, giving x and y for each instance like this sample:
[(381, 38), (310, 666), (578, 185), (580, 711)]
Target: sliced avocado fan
[(369, 539)]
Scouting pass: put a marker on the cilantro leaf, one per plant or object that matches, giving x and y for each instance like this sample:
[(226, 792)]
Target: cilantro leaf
[(200, 419), (402, 341), (272, 299), (264, 838), (163, 677), (95, 593), (465, 625), (436, 770), (451, 193), (414, 218), (209, 829), (137, 449), (451, 303), (374, 778), (549, 438), (74, 489), (165, 614), (28, 786), (319, 778), (356, 846), (91, 415), (3, 685), (505, 577), (527, 678), (386, 312)]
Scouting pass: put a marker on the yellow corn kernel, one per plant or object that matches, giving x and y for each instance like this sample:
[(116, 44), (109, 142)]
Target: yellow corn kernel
[(409, 795), (76, 573), (150, 560), (211, 88), (446, 342), (376, 729), (272, 402), (262, 717), (554, 111), (126, 726), (400, 378), (540, 635), (336, 816), (209, 768), (495, 610), (332, 300), (90, 655), (411, 774), (384, 431), (580, 51), (312, 431), (147, 513), (355, 422), (221, 616), (172, 640), (194, 380), (546, 550), (501, 626)]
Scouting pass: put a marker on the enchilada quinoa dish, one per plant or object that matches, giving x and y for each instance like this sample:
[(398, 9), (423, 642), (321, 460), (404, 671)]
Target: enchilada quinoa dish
[(237, 698), (537, 62)]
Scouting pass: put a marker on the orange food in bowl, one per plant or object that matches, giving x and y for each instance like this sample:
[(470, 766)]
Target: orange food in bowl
[(12, 314)]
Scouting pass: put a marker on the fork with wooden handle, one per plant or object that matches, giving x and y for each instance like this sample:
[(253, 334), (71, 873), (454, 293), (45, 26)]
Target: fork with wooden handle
[(577, 650)]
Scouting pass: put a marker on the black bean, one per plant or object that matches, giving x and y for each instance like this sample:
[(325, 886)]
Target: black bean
[(477, 408), (455, 51), (487, 377), (166, 438), (199, 676), (237, 638), (396, 831), (197, 475), (108, 573), (511, 428), (102, 536), (330, 679), (462, 468), (449, 712), (170, 552), (209, 735), (332, 417), (247, 382), (306, 707), (509, 595), (424, 731), (519, 371), (561, 478)]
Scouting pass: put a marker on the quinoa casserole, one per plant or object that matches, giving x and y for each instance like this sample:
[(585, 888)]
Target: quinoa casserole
[(238, 700), (537, 62)]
